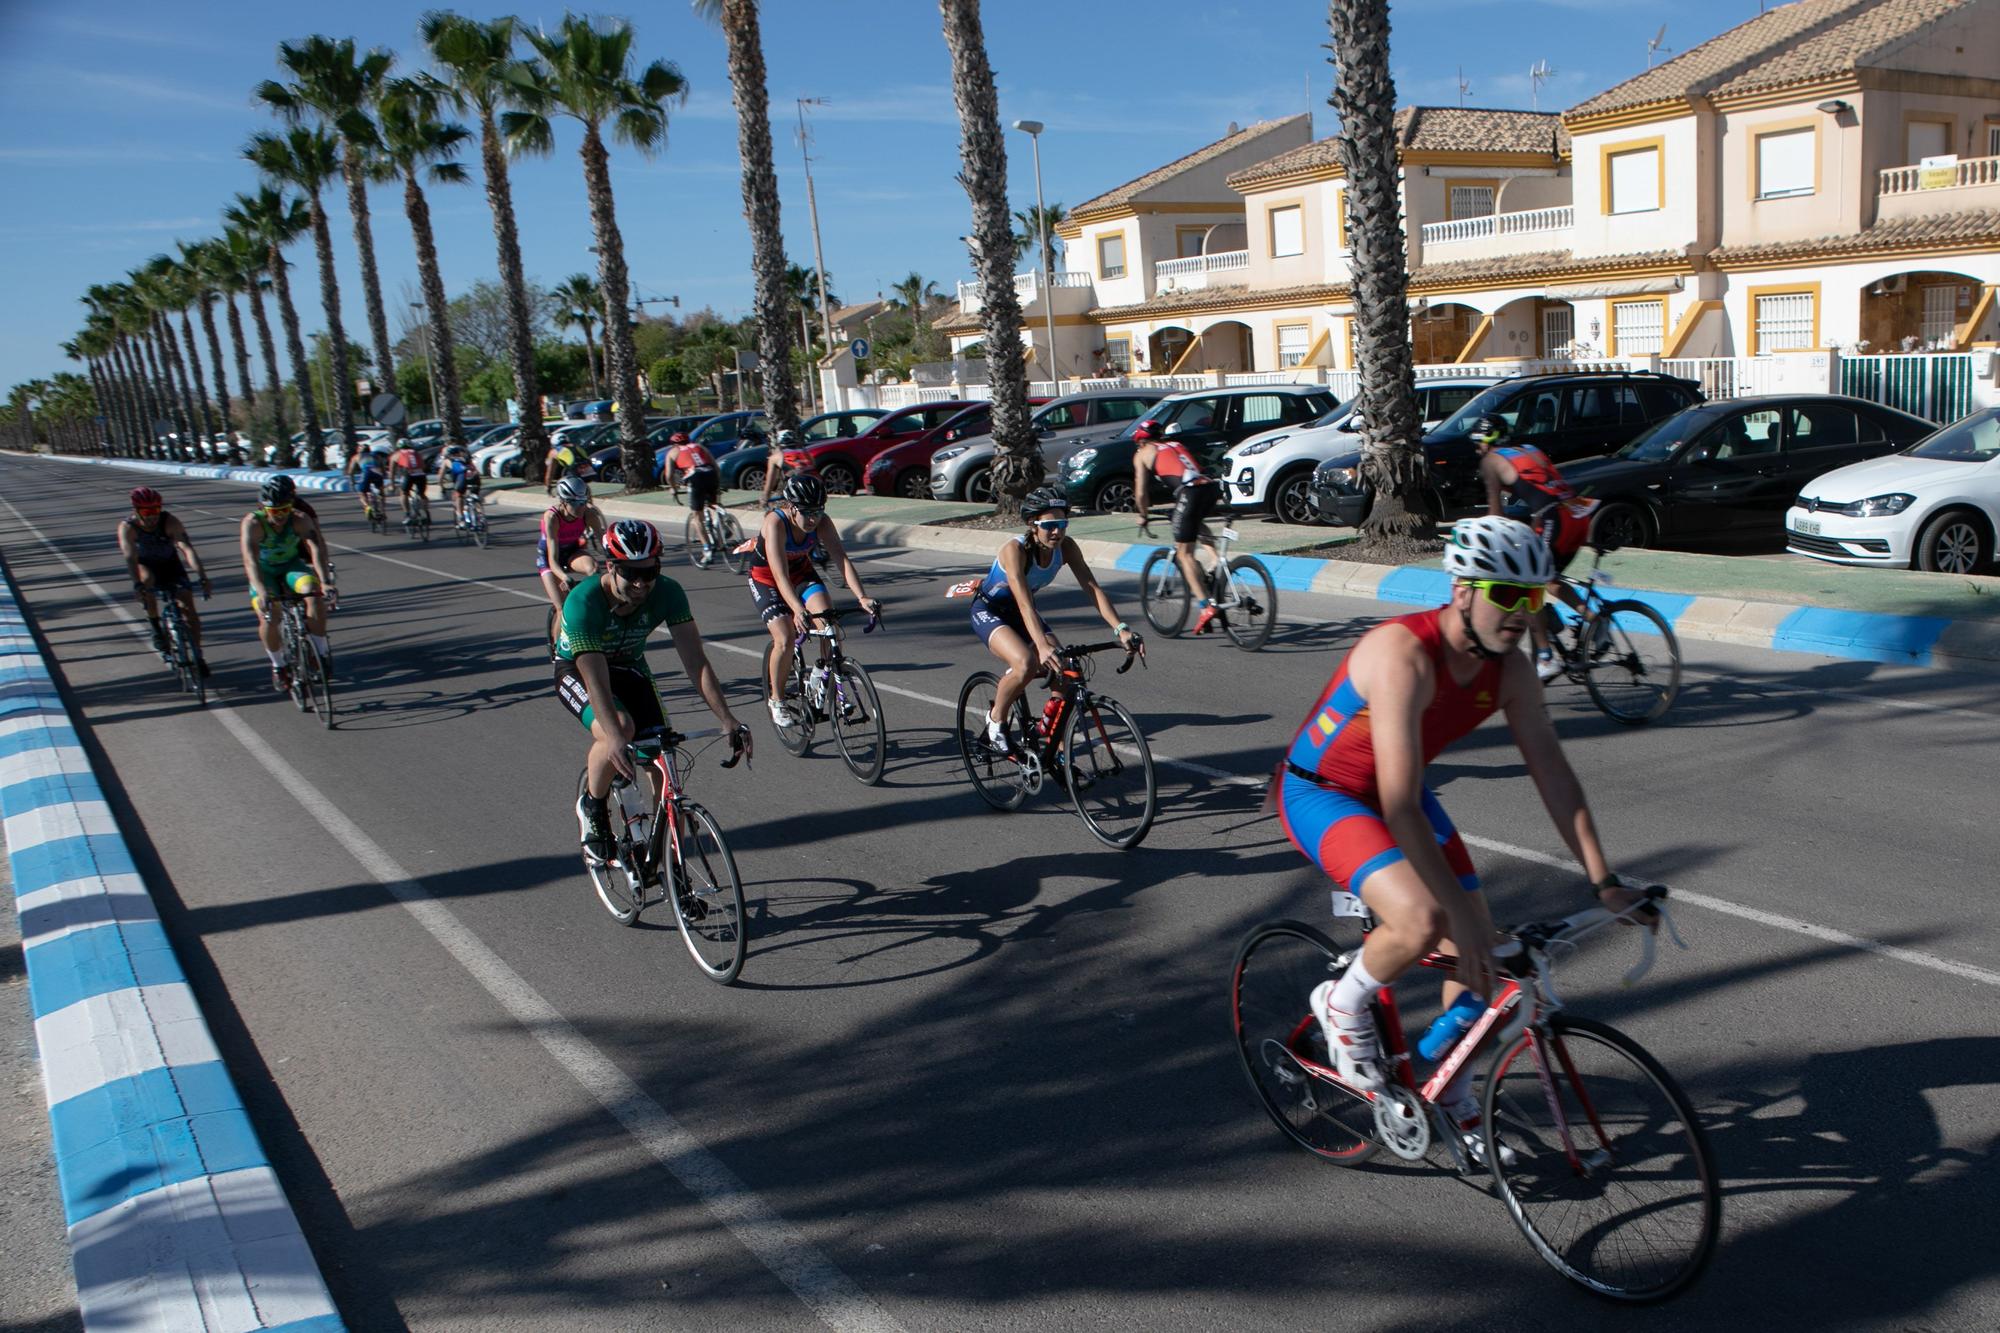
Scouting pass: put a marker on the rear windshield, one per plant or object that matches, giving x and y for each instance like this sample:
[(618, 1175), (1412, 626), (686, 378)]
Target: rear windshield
[(1973, 440)]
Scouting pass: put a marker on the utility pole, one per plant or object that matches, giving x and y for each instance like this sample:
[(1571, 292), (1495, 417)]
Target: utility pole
[(812, 210)]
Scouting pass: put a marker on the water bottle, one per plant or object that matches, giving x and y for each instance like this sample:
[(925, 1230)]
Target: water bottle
[(1049, 710), (1450, 1025)]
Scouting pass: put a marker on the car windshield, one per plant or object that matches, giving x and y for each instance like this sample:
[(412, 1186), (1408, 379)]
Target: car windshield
[(1973, 440), (1493, 402), (1657, 443)]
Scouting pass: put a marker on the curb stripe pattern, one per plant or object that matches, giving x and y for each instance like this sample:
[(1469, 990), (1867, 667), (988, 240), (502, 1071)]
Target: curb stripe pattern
[(175, 1217)]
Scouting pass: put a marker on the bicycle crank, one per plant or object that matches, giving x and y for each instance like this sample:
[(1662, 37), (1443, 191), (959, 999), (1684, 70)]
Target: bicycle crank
[(1401, 1124)]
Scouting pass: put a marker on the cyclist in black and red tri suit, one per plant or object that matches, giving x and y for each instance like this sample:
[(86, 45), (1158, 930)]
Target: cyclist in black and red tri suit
[(158, 554), (1555, 510), (1196, 496), (786, 589)]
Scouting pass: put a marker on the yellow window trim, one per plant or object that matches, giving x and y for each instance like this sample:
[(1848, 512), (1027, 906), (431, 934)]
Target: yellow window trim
[(1450, 184), (1961, 337), (1750, 295), (1611, 319), (1278, 346), (1125, 246), (1932, 116), (1758, 132), (1181, 229), (1658, 143), (1274, 207)]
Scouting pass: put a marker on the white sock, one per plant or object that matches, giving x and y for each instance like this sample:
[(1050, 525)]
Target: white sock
[(277, 659), (320, 644), (1351, 996)]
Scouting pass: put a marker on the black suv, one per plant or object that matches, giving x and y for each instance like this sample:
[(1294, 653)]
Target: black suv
[(1207, 421), (1579, 415)]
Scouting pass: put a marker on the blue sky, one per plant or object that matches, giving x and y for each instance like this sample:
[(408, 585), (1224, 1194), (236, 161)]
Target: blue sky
[(124, 122)]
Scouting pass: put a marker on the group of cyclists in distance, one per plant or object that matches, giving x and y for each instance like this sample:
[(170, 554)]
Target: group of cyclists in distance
[(1349, 790)]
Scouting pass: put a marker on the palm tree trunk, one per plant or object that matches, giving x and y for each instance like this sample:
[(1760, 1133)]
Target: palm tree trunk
[(120, 379), (112, 401), (760, 206), (623, 377), (135, 391), (246, 390), (437, 306), (194, 371), (1364, 97), (520, 344), (165, 409), (371, 284), (216, 365), (295, 347), (177, 385), (343, 373), (272, 377), (100, 400), (590, 360), (1017, 460)]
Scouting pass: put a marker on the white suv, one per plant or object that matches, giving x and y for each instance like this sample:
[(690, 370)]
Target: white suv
[(1274, 470)]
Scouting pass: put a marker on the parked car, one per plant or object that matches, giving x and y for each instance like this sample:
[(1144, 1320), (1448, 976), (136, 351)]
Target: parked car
[(432, 431), (905, 469), (963, 468), (1274, 470), (842, 425), (1935, 506), (842, 462), (1206, 421), (1580, 414), (1732, 468)]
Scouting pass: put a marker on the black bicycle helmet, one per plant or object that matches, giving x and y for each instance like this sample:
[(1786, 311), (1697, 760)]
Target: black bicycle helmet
[(1041, 500), (806, 491), (278, 490), (1486, 430), (752, 431)]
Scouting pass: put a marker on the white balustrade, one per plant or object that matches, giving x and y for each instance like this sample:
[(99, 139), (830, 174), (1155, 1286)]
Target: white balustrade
[(1528, 222), (1968, 172)]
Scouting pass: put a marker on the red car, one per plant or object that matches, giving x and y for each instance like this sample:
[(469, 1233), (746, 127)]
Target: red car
[(905, 469), (841, 463)]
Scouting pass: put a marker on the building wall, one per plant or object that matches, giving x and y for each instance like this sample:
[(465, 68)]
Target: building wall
[(1678, 222), (1317, 202), (1842, 188)]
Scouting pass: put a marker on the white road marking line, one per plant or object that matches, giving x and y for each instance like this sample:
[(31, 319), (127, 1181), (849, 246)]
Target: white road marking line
[(778, 1245)]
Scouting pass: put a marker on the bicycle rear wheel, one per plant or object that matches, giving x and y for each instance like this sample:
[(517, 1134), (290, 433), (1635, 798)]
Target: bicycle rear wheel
[(797, 735), (1631, 662), (996, 777), (1255, 612), (185, 660), (700, 555), (1163, 593), (1108, 768), (319, 690), (1279, 1040), (707, 895), (729, 536), (620, 883), (856, 712), (1611, 1181)]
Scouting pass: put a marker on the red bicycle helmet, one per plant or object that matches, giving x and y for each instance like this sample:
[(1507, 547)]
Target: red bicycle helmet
[(146, 500), (632, 541)]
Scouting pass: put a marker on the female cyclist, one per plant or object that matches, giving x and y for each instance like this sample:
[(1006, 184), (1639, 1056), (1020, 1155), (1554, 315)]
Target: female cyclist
[(786, 589), (562, 552)]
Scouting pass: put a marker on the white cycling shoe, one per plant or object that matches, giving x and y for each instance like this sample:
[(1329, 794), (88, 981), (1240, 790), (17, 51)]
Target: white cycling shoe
[(1357, 1056)]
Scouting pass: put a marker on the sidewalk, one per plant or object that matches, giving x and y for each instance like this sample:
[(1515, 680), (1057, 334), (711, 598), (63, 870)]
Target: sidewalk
[(1874, 615)]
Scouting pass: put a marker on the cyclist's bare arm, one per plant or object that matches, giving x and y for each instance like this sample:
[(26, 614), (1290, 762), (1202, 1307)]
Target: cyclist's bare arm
[(1086, 578), (1014, 561), (247, 546), (127, 548), (830, 537), (694, 661), (774, 469), (177, 533), (1521, 697), (1142, 467)]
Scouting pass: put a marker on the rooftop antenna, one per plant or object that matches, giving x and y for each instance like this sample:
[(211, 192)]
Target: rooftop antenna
[(1538, 76), (1463, 86), (1654, 46)]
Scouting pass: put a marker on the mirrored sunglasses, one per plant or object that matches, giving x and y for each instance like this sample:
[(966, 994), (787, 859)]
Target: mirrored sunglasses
[(1512, 597)]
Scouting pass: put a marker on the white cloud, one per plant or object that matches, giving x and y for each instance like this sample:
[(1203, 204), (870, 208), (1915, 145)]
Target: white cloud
[(155, 90)]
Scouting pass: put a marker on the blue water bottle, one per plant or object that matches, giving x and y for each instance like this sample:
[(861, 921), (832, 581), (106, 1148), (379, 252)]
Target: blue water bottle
[(1450, 1025)]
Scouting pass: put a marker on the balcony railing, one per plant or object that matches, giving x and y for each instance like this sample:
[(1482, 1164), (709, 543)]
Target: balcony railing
[(1560, 218), (1027, 286), (1194, 271), (1965, 174)]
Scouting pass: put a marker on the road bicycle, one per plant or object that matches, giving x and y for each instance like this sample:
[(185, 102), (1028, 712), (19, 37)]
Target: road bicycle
[(1624, 652), (1245, 598), (835, 689), (713, 531), (371, 503), (181, 653), (311, 689), (667, 848), (1085, 742), (417, 516), (1597, 1153), (471, 525)]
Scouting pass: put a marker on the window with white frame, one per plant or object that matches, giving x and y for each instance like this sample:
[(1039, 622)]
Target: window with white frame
[(1635, 181), (1292, 342), (1470, 201), (1111, 256), (1638, 328), (1926, 138), (1118, 353), (1288, 232), (1784, 322), (1785, 163)]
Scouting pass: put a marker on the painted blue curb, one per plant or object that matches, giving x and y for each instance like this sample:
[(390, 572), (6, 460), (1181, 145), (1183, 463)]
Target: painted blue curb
[(1868, 635), (174, 1215), (306, 479)]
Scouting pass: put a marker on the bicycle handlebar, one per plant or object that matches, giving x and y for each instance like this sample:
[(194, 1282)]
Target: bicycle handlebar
[(1535, 948)]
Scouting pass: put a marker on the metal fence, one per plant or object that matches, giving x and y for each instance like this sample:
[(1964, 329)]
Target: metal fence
[(1936, 385)]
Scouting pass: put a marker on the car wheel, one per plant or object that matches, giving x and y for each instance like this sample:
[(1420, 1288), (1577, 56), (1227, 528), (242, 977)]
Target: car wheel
[(914, 485), (1954, 542), (751, 478), (1621, 524), (1291, 498), (840, 479), (1113, 497), (978, 487)]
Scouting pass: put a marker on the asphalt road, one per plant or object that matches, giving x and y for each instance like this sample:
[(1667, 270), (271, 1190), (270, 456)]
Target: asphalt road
[(978, 1071)]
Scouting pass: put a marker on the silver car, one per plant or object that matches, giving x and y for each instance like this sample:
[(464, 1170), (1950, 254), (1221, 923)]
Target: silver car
[(963, 469)]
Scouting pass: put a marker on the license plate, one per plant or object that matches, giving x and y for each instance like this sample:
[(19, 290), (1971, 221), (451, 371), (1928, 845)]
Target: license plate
[(1806, 527)]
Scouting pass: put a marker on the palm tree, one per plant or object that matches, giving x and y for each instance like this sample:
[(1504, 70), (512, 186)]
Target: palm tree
[(1038, 228), (334, 86), (138, 318), (90, 346), (179, 289), (584, 71), (760, 203), (107, 305), (982, 153), (275, 219), (153, 285), (306, 159), (206, 271), (1364, 97), (417, 141), (239, 265), (478, 58), (582, 303)]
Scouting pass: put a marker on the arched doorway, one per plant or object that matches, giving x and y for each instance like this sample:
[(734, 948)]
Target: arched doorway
[(1224, 346), (1165, 347), (1916, 312), (1440, 332)]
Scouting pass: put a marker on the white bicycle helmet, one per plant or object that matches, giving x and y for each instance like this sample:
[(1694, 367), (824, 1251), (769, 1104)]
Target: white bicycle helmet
[(1497, 548), (573, 490)]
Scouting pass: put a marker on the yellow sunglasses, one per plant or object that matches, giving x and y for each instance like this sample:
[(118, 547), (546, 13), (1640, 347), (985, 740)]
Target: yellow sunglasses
[(1512, 597)]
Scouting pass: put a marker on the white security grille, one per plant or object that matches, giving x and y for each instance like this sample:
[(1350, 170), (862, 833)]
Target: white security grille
[(1639, 327), (1940, 316), (1558, 330), (1471, 201), (1291, 345), (1785, 322)]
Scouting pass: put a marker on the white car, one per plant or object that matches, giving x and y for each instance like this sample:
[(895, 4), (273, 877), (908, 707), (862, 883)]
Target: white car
[(1935, 506), (1274, 470), (485, 453)]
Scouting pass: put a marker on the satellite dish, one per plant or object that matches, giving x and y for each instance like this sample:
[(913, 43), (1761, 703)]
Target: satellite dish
[(388, 410)]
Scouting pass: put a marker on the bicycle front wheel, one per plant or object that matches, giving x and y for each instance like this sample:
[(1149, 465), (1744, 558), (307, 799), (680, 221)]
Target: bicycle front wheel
[(1252, 609), (1163, 593), (699, 553), (856, 712), (319, 689), (1610, 1177), (994, 776), (707, 895), (1631, 662), (729, 536), (620, 884), (1108, 768), (1282, 1047), (480, 532)]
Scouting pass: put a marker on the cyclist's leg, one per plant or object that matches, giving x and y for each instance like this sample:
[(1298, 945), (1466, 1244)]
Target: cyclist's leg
[(1186, 527), (778, 620), (610, 727), (579, 564), (264, 603), (298, 577), (1006, 636), (148, 580), (184, 594)]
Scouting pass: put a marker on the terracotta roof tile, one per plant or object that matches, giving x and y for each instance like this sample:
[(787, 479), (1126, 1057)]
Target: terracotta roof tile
[(1131, 189), (1838, 50), (1540, 263), (1168, 303), (955, 320), (1971, 226), (1431, 129)]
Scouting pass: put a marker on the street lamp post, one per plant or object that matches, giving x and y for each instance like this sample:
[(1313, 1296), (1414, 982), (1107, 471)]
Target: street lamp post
[(812, 213), (1033, 129), (430, 375)]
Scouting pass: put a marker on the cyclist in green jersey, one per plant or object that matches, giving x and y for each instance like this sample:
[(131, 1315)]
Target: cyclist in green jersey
[(601, 672), (283, 551)]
